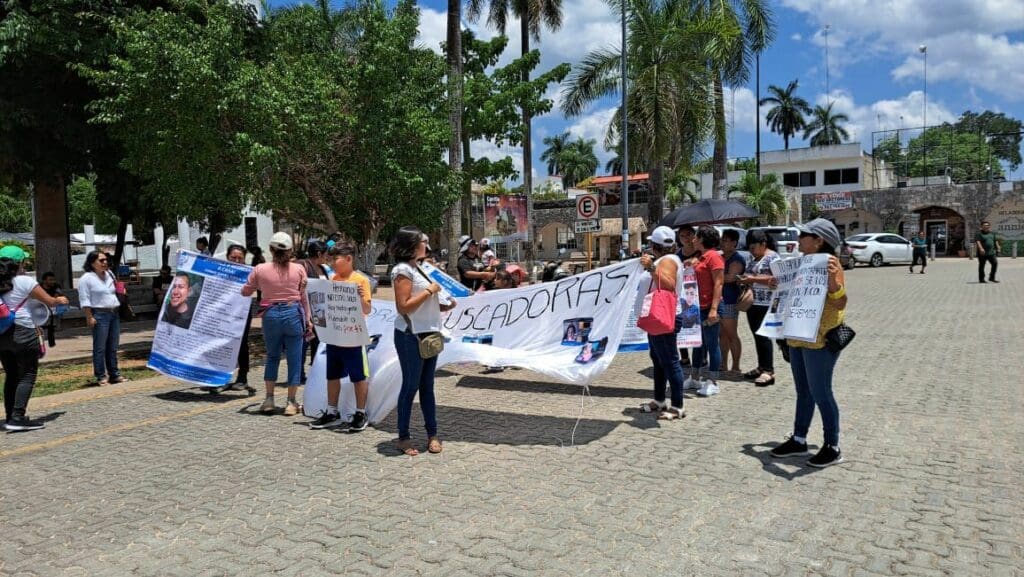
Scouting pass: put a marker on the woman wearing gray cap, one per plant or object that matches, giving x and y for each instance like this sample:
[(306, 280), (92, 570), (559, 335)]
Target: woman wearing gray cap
[(813, 363)]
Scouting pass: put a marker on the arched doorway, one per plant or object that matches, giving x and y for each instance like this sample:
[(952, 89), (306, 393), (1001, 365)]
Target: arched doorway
[(852, 221), (944, 228)]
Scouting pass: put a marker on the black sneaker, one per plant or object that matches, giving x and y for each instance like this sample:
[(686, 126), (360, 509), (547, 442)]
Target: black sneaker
[(23, 423), (790, 448), (826, 457), (327, 420), (993, 280), (359, 422)]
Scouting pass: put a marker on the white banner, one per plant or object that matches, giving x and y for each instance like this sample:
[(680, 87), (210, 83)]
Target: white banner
[(797, 302), (201, 321), (569, 330), (337, 313), (688, 311)]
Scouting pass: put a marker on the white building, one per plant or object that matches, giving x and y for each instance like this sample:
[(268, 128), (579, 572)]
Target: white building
[(823, 169), (706, 186)]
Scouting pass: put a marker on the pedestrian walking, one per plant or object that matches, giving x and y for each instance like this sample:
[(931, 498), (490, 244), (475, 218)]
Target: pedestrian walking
[(988, 246), (920, 244), (759, 278), (731, 345), (285, 312), (20, 347), (813, 364), (710, 271), (97, 296), (667, 274), (419, 316)]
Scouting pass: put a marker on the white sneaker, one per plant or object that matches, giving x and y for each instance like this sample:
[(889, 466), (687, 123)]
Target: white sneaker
[(691, 384), (707, 389)]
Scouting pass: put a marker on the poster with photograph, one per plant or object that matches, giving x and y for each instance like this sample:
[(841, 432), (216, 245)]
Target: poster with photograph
[(201, 321), (337, 313), (505, 217), (798, 300), (687, 315)]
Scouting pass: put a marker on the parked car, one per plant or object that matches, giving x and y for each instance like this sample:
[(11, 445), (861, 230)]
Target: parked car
[(786, 237), (742, 246), (880, 248), (846, 256)]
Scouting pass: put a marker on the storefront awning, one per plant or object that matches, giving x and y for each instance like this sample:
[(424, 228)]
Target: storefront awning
[(613, 226)]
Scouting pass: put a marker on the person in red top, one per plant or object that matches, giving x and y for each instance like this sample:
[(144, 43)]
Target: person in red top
[(710, 270)]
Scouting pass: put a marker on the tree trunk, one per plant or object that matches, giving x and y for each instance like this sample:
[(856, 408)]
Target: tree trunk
[(453, 216), (122, 232), (50, 215), (369, 251), (721, 161), (785, 140), (656, 199), (531, 244), (218, 223), (467, 188)]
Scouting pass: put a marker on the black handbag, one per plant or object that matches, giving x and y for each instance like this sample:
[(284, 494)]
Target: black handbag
[(839, 337)]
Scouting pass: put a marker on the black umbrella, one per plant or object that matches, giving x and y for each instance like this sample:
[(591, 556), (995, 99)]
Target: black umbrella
[(709, 211)]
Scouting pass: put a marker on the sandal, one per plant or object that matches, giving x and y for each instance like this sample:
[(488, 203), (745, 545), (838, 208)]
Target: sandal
[(765, 379), (653, 407), (753, 374), (671, 414), (434, 445), (118, 380), (406, 447)]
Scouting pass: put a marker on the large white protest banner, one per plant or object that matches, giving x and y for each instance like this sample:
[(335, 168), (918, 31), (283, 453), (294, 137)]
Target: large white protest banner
[(687, 311), (337, 313), (797, 302), (569, 330), (201, 321)]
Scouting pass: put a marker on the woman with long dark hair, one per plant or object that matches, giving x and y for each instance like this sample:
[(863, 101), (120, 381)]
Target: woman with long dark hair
[(285, 319), (19, 345), (710, 271), (419, 312), (97, 296), (813, 364), (759, 278)]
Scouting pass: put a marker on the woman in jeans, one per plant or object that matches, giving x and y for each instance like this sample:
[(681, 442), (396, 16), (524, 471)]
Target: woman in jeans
[(732, 347), (19, 345), (813, 363), (418, 305), (285, 319), (710, 270), (97, 295), (759, 278), (667, 274)]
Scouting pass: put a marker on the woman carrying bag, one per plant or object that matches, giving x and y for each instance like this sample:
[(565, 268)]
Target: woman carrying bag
[(417, 335), (666, 279), (98, 297)]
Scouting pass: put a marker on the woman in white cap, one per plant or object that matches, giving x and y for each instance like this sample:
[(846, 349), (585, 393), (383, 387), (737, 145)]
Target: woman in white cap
[(285, 312), (666, 274), (813, 363)]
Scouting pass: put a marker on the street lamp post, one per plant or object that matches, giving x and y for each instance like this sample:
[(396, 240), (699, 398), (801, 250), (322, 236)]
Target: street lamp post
[(625, 146), (923, 49), (828, 94)]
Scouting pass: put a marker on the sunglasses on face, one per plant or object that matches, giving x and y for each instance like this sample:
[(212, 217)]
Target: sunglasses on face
[(101, 260)]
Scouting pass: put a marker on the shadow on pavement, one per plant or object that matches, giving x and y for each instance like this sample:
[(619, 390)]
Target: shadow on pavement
[(519, 386), (201, 396), (774, 466), (463, 425)]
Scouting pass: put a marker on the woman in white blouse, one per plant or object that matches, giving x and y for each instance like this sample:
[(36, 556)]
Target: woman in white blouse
[(97, 295)]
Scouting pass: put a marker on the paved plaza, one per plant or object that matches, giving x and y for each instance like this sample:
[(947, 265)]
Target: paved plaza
[(156, 479)]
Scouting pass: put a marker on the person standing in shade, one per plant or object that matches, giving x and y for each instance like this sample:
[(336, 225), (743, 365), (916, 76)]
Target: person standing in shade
[(732, 347), (19, 345), (97, 295), (467, 264), (759, 278), (203, 246), (813, 364), (52, 288), (286, 317), (988, 246), (419, 312), (710, 270), (920, 244), (348, 362)]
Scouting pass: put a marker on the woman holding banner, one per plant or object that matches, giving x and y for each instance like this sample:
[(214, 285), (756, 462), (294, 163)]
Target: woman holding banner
[(813, 363), (285, 313), (759, 278), (419, 313), (236, 254), (667, 274)]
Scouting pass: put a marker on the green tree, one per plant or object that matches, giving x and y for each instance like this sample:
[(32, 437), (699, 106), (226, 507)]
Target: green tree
[(1002, 133), (963, 156), (765, 195), (825, 127), (555, 145), (15, 212), (578, 161), (786, 117)]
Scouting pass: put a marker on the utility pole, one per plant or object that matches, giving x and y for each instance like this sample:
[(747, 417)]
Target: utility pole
[(624, 251)]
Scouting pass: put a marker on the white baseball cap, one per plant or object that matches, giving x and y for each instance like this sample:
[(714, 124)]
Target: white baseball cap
[(281, 241), (663, 236)]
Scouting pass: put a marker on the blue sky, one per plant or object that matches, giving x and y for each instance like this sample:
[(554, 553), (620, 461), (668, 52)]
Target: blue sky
[(975, 62)]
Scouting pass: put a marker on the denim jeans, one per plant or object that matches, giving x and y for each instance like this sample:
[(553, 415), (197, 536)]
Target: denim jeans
[(282, 325), (665, 356), (707, 360), (106, 337), (417, 376), (19, 354), (812, 374)]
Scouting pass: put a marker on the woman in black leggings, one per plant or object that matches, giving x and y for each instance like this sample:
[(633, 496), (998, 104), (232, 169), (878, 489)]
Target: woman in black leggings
[(758, 277)]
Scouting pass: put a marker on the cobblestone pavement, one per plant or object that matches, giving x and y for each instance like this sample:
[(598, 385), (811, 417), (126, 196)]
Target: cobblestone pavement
[(157, 479)]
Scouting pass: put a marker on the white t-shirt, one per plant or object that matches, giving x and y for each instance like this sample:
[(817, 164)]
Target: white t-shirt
[(95, 292), (19, 297), (427, 318)]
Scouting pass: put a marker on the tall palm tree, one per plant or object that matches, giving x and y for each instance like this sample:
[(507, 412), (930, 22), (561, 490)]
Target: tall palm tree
[(454, 58), (826, 126), (786, 117), (765, 195), (555, 145), (578, 161), (729, 57), (669, 101)]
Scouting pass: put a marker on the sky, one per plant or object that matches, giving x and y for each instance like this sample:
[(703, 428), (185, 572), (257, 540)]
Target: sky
[(875, 70)]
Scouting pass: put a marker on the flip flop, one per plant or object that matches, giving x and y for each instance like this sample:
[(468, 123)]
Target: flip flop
[(434, 445), (405, 446)]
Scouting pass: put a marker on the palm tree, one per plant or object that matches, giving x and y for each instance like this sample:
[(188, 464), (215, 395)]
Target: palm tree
[(454, 58), (825, 126), (578, 161), (555, 145), (786, 117), (765, 195), (729, 56), (669, 100)]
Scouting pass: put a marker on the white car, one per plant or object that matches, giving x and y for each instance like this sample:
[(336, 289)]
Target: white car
[(786, 239), (880, 248)]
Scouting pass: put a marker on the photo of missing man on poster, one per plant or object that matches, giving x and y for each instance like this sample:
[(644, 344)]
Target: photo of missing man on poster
[(181, 300)]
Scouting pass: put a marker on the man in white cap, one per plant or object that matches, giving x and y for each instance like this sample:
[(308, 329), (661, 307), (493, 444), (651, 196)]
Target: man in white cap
[(467, 264)]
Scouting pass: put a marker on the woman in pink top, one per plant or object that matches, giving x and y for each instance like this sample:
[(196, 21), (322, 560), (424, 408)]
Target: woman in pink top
[(285, 317)]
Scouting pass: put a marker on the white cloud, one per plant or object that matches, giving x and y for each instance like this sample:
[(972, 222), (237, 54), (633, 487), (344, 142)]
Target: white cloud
[(740, 108), (989, 62), (433, 28), (796, 37), (593, 125), (885, 114), (487, 149)]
